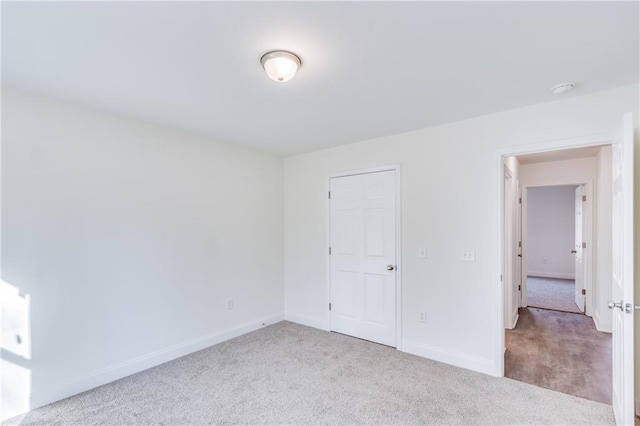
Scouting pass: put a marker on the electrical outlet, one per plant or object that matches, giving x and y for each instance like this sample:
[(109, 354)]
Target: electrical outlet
[(422, 316), (229, 304), (422, 252), (468, 256)]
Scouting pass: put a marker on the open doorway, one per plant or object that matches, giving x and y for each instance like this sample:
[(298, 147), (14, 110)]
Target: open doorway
[(610, 301), (556, 335), (556, 248)]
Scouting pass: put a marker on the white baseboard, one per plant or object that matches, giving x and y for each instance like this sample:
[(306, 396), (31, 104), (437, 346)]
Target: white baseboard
[(514, 322), (486, 366), (558, 275), (106, 375), (481, 365), (307, 320), (604, 326)]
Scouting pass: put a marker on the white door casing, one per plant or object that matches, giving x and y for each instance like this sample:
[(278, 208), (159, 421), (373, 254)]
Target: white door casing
[(524, 264), (579, 252), (363, 260), (508, 261), (622, 289), (519, 255), (511, 250)]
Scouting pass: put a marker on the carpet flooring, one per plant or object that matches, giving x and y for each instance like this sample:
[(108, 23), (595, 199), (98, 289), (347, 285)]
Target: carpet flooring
[(560, 351), (552, 293), (291, 374)]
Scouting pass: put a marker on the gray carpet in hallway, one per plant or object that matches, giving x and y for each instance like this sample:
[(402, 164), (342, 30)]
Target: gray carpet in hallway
[(560, 351), (552, 293), (291, 374)]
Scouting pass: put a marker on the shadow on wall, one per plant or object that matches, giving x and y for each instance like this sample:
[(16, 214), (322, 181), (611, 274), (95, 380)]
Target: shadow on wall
[(15, 351)]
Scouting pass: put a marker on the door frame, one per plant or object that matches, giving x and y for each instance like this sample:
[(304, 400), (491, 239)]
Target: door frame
[(509, 275), (397, 168), (588, 237), (498, 222)]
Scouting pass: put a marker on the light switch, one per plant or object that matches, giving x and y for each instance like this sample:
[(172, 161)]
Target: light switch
[(468, 256), (422, 252)]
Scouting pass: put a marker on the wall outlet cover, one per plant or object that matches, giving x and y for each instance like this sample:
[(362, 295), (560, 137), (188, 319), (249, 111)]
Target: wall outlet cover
[(468, 256)]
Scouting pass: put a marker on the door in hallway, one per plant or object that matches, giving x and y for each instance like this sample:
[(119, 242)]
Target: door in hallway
[(363, 256), (622, 290)]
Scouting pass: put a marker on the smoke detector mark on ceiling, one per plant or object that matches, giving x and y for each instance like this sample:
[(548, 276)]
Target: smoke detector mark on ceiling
[(561, 88)]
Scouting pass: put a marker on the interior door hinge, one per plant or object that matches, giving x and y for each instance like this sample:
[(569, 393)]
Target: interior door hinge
[(329, 306), (519, 287), (500, 277), (329, 194), (584, 291), (520, 200), (519, 243), (584, 198), (584, 245), (329, 251)]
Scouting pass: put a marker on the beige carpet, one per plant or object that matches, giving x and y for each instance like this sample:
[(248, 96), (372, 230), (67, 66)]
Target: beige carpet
[(552, 293), (291, 374)]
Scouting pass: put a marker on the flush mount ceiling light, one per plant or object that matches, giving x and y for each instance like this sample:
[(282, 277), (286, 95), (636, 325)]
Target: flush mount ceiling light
[(280, 65), (561, 88)]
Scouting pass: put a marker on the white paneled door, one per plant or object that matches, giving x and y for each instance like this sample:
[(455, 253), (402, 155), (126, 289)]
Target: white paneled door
[(363, 256), (579, 249), (622, 304)]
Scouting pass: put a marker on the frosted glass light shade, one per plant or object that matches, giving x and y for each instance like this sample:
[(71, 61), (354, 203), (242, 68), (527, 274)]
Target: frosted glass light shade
[(280, 66)]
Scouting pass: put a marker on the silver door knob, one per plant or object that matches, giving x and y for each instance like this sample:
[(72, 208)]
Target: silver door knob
[(613, 304), (390, 267)]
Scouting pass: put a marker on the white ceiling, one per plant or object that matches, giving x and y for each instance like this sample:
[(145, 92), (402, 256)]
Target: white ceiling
[(369, 69)]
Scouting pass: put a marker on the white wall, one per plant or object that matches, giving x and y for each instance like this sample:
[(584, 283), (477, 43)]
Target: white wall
[(449, 202), (559, 172), (551, 231), (129, 238)]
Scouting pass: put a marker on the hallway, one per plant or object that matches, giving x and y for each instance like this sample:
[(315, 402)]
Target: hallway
[(560, 351)]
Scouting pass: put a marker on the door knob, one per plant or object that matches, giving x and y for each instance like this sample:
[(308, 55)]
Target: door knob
[(613, 304), (390, 267), (573, 251)]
